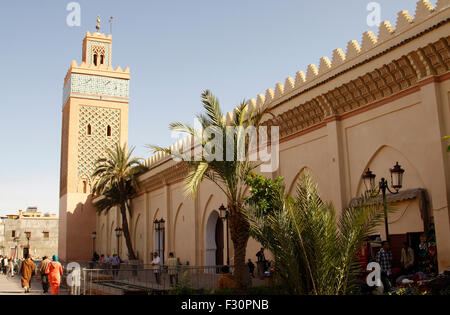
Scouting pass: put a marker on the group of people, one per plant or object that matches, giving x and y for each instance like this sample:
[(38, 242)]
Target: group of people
[(7, 265), (109, 262), (423, 263), (49, 271), (172, 268)]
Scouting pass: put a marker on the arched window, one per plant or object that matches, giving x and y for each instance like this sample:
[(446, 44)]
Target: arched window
[(95, 59), (108, 131), (102, 59), (84, 187), (89, 130)]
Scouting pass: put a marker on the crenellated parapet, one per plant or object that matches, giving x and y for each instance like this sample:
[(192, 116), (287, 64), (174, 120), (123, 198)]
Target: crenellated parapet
[(406, 26)]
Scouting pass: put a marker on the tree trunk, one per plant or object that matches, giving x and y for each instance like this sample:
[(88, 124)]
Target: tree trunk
[(239, 229), (126, 232)]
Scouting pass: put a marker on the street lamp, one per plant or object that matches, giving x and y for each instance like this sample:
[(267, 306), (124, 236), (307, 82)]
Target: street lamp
[(94, 236), (118, 234), (225, 215), (28, 236), (396, 183), (160, 227)]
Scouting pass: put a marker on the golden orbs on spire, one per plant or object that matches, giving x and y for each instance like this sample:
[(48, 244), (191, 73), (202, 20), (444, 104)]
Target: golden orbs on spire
[(98, 23)]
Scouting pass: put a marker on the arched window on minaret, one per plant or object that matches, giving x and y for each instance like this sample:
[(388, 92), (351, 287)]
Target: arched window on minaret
[(95, 59), (108, 131), (84, 187), (102, 59), (89, 130)]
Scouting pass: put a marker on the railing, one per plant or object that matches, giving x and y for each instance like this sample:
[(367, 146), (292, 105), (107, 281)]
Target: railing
[(146, 279)]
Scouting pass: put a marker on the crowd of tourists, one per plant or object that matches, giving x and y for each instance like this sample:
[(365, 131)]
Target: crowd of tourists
[(49, 271), (416, 264), (8, 266)]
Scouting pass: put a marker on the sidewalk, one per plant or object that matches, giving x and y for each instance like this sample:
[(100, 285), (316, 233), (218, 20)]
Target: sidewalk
[(12, 286)]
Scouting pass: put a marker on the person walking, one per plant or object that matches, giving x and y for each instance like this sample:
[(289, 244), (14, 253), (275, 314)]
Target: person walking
[(11, 266), (54, 271), (115, 265), (172, 264), (384, 259), (156, 263), (5, 265), (75, 285), (27, 270), (261, 263), (44, 276)]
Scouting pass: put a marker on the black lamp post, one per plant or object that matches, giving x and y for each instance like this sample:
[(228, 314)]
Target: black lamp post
[(119, 235), (160, 227), (94, 236), (28, 236), (396, 183), (225, 215)]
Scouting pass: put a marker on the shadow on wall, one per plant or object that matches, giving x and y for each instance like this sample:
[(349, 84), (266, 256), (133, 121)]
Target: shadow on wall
[(80, 225)]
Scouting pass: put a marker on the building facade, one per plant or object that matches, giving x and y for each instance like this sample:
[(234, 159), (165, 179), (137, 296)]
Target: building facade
[(383, 101), (29, 232)]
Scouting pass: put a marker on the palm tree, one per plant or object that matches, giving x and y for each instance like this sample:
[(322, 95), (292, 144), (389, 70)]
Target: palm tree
[(229, 175), (315, 252), (116, 183)]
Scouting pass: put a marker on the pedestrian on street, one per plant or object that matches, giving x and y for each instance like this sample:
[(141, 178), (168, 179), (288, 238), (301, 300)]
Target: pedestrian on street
[(5, 265), (156, 263), (11, 266), (115, 264), (384, 259), (44, 276), (172, 264), (261, 263), (75, 286), (27, 270), (54, 271)]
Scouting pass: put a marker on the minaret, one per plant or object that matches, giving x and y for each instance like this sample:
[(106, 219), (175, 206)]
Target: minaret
[(95, 118)]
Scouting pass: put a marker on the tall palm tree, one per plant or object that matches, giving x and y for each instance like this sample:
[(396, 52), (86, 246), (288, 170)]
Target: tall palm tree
[(315, 252), (229, 175), (116, 183)]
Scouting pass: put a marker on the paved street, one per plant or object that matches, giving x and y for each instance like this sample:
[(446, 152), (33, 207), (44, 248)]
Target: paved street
[(12, 286)]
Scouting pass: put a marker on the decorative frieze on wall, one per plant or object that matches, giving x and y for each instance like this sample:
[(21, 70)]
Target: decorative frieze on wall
[(93, 138), (96, 86), (390, 79)]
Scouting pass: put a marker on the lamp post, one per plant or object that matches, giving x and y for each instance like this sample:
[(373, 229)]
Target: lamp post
[(160, 226), (94, 236), (118, 234), (396, 183), (28, 236), (225, 215)]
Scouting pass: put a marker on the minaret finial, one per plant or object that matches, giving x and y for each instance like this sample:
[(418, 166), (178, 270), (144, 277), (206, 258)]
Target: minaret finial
[(98, 23)]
